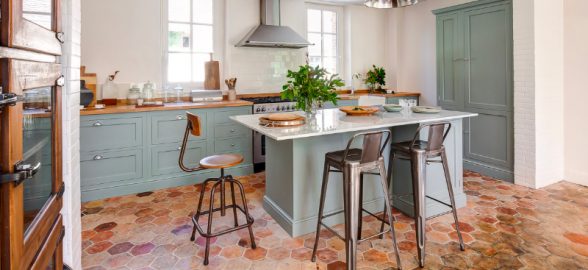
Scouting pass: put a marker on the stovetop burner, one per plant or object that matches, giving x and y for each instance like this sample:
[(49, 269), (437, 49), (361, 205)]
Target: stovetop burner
[(264, 100)]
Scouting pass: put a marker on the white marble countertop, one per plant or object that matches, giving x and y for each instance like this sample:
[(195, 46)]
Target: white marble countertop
[(333, 121)]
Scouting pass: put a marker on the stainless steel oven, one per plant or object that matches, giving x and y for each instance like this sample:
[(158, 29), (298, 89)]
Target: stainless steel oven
[(266, 105)]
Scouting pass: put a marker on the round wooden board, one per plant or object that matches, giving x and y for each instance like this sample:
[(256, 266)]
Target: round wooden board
[(283, 117), (363, 111)]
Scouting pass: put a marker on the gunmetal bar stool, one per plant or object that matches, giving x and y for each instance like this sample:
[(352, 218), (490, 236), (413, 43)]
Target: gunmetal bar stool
[(354, 163), (215, 162), (420, 153)]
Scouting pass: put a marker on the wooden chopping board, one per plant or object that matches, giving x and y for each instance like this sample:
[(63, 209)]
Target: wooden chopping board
[(212, 75)]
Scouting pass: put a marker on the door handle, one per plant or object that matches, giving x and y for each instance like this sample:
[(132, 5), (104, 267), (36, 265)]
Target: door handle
[(22, 172)]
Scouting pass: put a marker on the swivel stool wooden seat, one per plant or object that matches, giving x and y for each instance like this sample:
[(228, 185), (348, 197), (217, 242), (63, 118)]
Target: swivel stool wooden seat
[(221, 162)]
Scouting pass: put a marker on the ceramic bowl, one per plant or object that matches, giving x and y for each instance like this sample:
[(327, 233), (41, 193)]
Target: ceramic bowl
[(392, 108), (426, 109)]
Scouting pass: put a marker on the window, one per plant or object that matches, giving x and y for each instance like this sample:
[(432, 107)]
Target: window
[(189, 40), (323, 31)]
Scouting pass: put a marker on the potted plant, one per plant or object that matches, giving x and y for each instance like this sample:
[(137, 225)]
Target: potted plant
[(375, 79), (311, 87)]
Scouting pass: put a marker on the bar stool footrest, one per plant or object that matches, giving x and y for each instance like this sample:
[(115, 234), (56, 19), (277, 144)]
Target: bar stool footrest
[(236, 228)]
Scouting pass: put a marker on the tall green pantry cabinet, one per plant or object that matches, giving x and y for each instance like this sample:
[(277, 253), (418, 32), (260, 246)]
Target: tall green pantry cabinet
[(475, 74)]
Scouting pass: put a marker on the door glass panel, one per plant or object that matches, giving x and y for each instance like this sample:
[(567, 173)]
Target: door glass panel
[(37, 133), (38, 11)]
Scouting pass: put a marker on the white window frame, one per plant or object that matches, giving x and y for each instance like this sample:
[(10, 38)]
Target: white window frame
[(341, 31), (217, 33)]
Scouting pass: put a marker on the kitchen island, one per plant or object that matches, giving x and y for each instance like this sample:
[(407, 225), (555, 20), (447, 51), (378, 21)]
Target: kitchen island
[(295, 159)]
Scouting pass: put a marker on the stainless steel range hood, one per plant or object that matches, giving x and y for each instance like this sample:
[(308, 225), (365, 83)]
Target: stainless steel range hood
[(271, 33)]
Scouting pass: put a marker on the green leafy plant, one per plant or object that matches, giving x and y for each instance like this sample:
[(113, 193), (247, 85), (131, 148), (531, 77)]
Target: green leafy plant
[(375, 78), (311, 87)]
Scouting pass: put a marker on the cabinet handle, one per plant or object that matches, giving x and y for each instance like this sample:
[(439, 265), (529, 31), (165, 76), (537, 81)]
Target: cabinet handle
[(233, 131), (232, 145), (180, 117), (97, 124), (98, 157), (179, 148)]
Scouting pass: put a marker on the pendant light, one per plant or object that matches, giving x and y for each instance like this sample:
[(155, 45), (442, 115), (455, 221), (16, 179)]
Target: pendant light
[(389, 3)]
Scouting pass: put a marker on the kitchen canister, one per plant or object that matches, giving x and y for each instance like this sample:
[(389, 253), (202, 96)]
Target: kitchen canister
[(231, 84)]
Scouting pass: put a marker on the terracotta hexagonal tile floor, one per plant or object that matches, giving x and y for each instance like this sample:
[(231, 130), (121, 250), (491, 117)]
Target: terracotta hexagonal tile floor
[(504, 227)]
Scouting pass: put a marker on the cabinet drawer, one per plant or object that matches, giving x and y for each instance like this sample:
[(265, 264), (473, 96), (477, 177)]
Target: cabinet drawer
[(102, 168), (231, 145), (223, 117), (228, 131), (396, 100), (165, 159), (169, 127), (107, 134)]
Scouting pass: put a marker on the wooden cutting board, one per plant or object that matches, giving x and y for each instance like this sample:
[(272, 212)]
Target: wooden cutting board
[(91, 82), (212, 75)]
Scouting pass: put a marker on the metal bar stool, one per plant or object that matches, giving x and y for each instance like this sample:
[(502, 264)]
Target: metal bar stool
[(354, 163), (215, 162), (420, 153)]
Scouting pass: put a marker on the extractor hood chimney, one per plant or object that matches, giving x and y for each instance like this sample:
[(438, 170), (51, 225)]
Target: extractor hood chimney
[(270, 33)]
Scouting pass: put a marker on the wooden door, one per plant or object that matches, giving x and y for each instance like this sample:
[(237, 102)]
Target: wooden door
[(489, 90), (33, 25), (31, 185)]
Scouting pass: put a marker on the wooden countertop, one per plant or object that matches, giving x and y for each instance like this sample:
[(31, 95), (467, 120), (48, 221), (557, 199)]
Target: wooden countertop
[(166, 107)]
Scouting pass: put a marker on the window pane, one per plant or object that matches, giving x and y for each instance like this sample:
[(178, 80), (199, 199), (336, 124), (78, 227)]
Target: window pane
[(42, 20), (329, 22), (198, 63), (43, 6), (314, 61), (203, 11), (178, 10), (329, 45), (202, 38), (314, 50), (314, 20), (330, 64), (179, 37), (178, 67)]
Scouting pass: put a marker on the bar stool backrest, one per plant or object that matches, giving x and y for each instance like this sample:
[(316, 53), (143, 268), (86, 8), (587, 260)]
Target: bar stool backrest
[(372, 146), (437, 134), (193, 124), (192, 128)]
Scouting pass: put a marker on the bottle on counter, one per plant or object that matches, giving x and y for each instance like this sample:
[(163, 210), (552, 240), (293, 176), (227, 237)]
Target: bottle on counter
[(110, 90), (148, 93)]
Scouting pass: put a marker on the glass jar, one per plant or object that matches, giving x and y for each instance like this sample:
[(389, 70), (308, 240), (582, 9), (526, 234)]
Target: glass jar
[(133, 95), (179, 90), (148, 93)]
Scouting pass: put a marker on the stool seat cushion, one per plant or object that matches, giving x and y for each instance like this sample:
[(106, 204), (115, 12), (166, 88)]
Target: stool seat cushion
[(221, 161), (337, 156)]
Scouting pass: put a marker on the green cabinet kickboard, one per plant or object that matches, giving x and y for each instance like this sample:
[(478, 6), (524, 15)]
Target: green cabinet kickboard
[(475, 74), (129, 153)]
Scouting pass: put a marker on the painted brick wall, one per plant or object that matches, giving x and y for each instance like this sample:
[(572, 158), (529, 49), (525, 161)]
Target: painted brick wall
[(71, 10), (524, 92)]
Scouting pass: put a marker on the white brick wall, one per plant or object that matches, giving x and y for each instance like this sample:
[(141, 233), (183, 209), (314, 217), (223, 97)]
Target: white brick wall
[(524, 92), (71, 133)]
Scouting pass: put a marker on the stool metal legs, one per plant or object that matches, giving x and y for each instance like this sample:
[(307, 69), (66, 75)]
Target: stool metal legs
[(451, 198), (220, 183), (352, 209), (418, 168)]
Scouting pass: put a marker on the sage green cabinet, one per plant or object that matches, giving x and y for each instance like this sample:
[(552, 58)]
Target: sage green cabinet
[(111, 132), (169, 127), (136, 152), (475, 74)]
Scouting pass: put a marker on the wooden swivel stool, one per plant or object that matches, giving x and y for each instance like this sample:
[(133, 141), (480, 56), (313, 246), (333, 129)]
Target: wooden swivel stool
[(215, 162)]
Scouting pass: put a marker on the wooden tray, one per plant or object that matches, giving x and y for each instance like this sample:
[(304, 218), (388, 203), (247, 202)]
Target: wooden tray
[(264, 121), (359, 110), (284, 117)]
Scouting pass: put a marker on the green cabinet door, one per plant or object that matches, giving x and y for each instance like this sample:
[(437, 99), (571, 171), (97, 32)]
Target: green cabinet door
[(475, 74), (449, 60)]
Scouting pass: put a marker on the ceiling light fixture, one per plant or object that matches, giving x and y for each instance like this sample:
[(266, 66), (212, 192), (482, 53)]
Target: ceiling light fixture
[(389, 3)]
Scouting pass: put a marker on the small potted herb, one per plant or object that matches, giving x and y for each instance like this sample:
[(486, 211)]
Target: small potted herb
[(310, 87), (375, 79)]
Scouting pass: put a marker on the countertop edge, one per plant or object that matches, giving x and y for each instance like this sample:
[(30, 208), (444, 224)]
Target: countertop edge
[(184, 106), (331, 132)]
